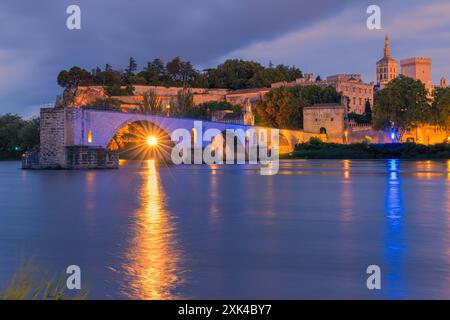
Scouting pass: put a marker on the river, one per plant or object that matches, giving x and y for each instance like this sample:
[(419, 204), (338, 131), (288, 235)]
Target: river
[(227, 232)]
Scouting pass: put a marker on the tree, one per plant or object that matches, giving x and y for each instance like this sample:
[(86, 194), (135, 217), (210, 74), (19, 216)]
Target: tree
[(155, 72), (440, 114), (266, 77), (71, 80), (132, 67), (402, 104), (151, 104), (184, 102), (74, 77), (368, 111), (29, 134), (283, 107), (10, 126), (17, 135), (233, 74)]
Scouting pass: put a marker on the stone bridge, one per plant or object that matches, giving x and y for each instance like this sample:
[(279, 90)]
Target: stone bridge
[(75, 138)]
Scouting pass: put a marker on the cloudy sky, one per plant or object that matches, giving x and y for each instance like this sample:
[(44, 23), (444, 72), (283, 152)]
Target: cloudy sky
[(320, 36)]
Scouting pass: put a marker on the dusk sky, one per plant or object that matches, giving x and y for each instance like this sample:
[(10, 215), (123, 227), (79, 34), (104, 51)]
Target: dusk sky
[(321, 36)]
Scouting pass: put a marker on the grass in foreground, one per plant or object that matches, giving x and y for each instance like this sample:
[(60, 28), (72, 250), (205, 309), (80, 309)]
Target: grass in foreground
[(29, 284)]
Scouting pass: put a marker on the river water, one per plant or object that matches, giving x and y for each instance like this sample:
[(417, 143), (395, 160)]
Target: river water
[(226, 232)]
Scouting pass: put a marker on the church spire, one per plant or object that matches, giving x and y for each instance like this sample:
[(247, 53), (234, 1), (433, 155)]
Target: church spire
[(387, 50)]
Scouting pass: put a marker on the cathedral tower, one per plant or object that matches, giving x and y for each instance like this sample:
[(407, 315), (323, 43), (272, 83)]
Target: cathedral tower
[(387, 68)]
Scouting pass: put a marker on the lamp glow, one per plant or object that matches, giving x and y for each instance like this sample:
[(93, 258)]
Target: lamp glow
[(152, 141)]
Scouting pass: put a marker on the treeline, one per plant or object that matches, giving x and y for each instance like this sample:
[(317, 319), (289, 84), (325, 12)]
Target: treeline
[(17, 135), (405, 104), (232, 74), (316, 149)]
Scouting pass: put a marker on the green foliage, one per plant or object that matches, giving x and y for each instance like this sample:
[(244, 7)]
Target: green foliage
[(283, 107), (232, 74), (184, 103), (320, 150), (267, 76), (402, 104), (17, 135), (205, 110), (107, 103), (440, 114), (29, 284), (364, 118), (151, 104), (76, 76)]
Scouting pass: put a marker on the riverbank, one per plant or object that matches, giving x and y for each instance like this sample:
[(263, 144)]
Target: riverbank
[(320, 150), (10, 155)]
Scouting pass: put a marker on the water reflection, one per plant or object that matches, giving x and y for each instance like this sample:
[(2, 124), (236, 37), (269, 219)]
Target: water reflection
[(347, 204), (153, 268), (394, 244)]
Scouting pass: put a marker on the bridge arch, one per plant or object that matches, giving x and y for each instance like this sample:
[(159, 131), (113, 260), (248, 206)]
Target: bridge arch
[(142, 139)]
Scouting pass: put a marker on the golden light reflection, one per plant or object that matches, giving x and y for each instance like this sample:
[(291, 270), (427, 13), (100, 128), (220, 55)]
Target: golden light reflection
[(154, 258), (448, 170), (347, 202), (346, 169)]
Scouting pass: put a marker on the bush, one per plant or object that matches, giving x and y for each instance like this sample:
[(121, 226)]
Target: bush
[(315, 149)]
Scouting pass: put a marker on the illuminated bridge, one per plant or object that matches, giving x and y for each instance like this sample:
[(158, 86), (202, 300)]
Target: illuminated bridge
[(75, 138)]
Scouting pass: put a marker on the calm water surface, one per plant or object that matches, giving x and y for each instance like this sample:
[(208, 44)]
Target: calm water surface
[(149, 232)]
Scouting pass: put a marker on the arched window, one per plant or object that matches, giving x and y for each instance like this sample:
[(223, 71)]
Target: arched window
[(323, 130)]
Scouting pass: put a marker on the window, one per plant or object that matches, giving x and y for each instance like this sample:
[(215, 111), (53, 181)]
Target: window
[(89, 136)]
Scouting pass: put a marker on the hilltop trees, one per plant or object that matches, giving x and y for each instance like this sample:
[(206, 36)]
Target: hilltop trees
[(232, 74), (283, 107), (402, 104)]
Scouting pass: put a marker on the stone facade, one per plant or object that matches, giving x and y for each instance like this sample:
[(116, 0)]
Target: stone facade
[(52, 137), (426, 134), (85, 157), (418, 69), (326, 119), (57, 150)]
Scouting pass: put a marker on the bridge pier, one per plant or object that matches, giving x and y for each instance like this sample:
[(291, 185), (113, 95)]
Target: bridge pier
[(57, 149)]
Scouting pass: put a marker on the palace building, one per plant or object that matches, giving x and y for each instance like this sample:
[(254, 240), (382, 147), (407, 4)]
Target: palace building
[(418, 69)]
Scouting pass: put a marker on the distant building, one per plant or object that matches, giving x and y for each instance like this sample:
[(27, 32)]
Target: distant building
[(387, 67), (418, 69), (351, 86), (328, 119)]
